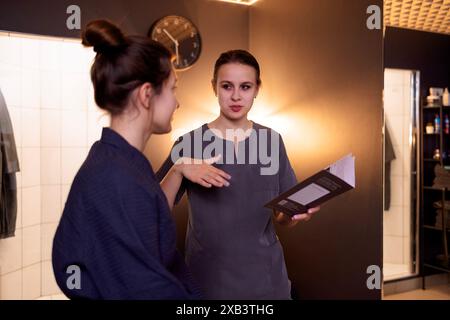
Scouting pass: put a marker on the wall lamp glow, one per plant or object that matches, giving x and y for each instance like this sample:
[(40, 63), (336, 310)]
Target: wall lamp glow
[(244, 2)]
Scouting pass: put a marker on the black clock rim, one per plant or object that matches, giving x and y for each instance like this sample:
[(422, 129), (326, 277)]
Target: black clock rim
[(152, 27)]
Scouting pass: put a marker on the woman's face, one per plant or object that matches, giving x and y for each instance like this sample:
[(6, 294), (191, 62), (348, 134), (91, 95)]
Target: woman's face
[(236, 90), (164, 105)]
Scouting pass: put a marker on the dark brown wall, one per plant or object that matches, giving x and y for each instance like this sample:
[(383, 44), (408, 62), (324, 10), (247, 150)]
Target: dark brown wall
[(323, 68), (418, 50), (48, 17)]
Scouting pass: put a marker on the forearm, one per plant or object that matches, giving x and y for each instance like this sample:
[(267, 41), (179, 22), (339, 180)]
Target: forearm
[(171, 184)]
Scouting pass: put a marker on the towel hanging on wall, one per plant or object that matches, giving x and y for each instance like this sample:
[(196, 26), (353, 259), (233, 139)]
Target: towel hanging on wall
[(9, 165), (389, 155)]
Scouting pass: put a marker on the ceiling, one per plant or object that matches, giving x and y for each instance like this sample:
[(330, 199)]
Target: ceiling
[(424, 15)]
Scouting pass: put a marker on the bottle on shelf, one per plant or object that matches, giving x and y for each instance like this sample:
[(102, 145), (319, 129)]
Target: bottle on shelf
[(436, 154), (446, 125), (445, 98), (437, 123), (429, 128)]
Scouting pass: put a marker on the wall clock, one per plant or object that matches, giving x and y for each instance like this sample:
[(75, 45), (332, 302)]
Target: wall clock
[(180, 36)]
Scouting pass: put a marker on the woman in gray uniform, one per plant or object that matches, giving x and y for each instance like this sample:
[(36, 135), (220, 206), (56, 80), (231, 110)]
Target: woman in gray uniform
[(232, 249)]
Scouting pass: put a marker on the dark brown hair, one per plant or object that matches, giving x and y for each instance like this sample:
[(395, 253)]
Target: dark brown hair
[(237, 56), (123, 63)]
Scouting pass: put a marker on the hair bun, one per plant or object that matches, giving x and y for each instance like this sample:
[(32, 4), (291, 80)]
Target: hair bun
[(103, 35)]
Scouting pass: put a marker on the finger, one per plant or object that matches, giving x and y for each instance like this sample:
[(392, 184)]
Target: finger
[(212, 174), (313, 210), (301, 217), (212, 160), (212, 181), (221, 173), (204, 183), (221, 180)]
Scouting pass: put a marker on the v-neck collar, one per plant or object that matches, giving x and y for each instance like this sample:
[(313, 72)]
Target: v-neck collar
[(236, 146), (253, 129)]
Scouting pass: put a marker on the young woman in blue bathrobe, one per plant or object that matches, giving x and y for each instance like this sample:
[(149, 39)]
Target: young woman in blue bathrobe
[(116, 238)]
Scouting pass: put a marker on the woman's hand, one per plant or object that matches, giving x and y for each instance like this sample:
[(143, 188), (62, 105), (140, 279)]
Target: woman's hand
[(305, 216), (286, 220), (202, 172)]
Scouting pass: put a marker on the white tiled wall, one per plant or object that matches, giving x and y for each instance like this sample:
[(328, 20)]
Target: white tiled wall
[(49, 96), (397, 220)]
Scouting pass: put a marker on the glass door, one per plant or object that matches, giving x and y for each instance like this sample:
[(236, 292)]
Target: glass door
[(400, 174)]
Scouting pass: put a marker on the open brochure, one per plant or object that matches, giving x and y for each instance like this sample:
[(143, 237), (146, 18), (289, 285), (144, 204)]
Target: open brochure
[(334, 180)]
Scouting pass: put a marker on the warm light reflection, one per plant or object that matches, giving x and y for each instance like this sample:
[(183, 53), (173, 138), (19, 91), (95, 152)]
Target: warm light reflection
[(268, 116), (301, 133), (244, 2)]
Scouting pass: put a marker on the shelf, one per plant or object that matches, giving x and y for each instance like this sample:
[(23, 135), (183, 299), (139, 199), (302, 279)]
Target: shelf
[(436, 134), (425, 107), (435, 228), (438, 264), (437, 239), (434, 188), (431, 160)]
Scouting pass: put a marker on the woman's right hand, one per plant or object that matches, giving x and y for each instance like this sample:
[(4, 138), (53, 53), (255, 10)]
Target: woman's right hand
[(202, 172)]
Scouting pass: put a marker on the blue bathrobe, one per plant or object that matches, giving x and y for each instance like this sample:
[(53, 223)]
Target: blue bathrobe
[(116, 238)]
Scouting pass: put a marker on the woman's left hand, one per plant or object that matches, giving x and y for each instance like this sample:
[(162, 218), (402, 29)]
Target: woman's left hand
[(286, 220), (306, 216)]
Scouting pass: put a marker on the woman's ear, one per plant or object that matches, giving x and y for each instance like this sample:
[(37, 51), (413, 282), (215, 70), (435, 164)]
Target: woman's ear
[(257, 91), (145, 94)]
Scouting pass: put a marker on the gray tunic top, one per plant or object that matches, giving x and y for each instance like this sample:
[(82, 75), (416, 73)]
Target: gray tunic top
[(232, 249)]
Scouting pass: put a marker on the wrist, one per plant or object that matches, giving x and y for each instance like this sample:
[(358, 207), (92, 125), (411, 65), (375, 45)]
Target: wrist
[(178, 169)]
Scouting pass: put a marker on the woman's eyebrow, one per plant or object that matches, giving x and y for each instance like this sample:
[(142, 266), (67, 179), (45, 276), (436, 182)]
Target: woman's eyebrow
[(227, 81)]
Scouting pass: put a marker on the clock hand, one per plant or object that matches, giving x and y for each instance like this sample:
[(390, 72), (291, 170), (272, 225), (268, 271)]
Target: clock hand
[(175, 42), (176, 52), (170, 36)]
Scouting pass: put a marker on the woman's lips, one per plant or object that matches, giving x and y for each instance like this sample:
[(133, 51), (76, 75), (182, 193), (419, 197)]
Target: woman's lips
[(236, 108)]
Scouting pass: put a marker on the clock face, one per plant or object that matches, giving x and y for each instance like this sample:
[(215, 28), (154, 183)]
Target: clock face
[(181, 37)]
